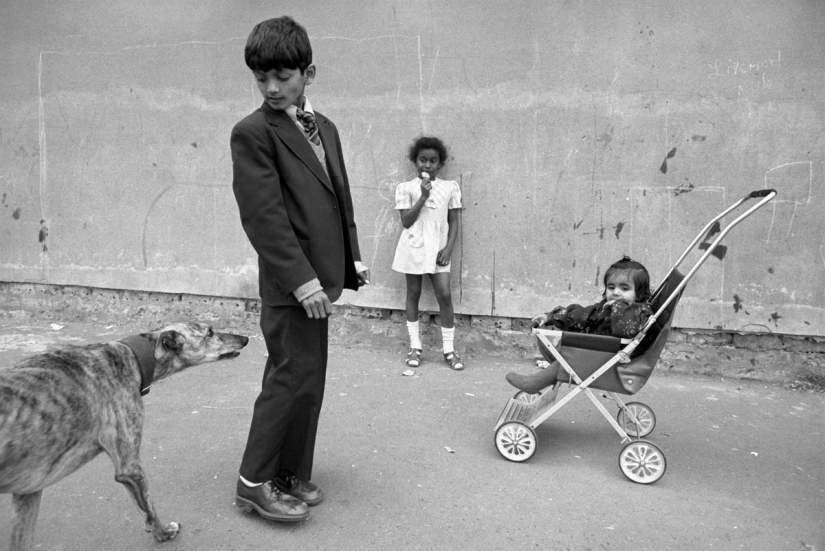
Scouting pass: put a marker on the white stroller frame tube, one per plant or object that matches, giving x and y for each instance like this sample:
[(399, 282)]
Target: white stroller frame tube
[(581, 386)]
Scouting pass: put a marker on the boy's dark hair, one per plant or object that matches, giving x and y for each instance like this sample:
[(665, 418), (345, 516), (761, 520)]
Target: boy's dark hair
[(638, 274), (428, 142), (279, 43)]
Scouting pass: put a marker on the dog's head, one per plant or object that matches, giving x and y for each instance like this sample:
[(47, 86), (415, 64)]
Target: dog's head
[(183, 345)]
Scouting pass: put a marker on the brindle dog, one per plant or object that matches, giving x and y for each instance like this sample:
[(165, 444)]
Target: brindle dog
[(60, 409)]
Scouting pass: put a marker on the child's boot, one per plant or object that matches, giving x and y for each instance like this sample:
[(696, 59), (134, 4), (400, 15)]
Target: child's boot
[(533, 383)]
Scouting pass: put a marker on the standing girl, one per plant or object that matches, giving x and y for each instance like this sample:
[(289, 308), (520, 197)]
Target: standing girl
[(429, 209)]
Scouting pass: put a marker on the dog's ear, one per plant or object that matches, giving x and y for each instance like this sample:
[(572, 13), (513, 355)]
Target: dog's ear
[(171, 340)]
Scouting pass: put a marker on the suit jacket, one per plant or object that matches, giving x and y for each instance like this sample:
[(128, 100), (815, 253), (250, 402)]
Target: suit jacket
[(298, 220)]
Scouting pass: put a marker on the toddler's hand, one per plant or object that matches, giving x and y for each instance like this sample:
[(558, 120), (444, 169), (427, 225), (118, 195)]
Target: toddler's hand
[(539, 321)]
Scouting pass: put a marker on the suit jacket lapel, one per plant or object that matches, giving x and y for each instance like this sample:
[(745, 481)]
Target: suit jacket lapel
[(293, 138), (325, 131)]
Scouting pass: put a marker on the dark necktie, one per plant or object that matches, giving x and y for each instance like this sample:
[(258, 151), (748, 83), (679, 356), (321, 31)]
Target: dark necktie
[(311, 128)]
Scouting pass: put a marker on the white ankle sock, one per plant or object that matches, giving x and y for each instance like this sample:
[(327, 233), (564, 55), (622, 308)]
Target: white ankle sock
[(250, 484), (447, 336), (415, 334)]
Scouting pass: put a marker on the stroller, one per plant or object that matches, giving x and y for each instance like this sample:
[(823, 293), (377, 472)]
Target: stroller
[(597, 362)]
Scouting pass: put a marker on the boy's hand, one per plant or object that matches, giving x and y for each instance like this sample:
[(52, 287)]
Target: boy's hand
[(363, 278), (317, 305)]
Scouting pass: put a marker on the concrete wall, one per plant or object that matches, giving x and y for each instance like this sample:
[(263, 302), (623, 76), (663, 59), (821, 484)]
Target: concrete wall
[(579, 132)]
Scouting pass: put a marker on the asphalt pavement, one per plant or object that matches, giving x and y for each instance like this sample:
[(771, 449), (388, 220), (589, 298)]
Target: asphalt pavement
[(408, 462)]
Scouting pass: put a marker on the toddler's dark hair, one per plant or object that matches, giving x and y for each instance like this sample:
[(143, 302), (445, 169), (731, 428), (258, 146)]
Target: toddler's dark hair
[(428, 142), (638, 274), (278, 44)]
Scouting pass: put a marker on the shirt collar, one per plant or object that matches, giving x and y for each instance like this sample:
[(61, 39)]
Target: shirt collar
[(292, 109)]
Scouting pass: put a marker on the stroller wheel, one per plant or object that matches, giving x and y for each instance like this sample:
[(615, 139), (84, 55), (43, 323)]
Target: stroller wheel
[(516, 441), (642, 462), (647, 421), (526, 397)]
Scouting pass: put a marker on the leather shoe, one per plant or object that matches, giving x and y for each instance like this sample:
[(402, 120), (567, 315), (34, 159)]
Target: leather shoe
[(270, 503), (306, 491)]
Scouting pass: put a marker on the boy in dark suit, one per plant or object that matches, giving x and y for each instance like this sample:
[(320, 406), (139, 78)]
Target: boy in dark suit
[(295, 205)]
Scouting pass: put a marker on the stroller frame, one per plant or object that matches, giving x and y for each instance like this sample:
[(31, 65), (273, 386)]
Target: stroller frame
[(602, 358)]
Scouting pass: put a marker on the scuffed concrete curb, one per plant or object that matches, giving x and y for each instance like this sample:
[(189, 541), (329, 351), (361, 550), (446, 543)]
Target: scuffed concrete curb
[(763, 356)]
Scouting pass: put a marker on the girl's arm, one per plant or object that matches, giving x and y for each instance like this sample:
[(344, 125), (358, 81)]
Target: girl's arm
[(409, 216), (453, 217)]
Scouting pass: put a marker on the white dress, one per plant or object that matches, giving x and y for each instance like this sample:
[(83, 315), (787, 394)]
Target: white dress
[(419, 244)]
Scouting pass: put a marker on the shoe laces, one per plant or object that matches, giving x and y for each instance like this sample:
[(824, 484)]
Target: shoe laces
[(274, 492), (289, 481)]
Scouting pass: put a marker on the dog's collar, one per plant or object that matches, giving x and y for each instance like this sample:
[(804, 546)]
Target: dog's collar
[(145, 353)]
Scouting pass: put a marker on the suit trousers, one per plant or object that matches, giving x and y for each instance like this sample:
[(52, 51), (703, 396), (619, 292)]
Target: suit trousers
[(285, 418)]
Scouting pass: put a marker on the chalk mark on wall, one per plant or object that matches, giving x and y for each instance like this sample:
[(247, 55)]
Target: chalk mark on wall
[(739, 74), (420, 84), (435, 63), (41, 139), (385, 224), (774, 179), (461, 243), (155, 202), (43, 142), (493, 287)]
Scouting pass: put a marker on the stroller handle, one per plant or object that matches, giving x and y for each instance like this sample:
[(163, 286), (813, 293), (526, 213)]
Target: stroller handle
[(764, 196)]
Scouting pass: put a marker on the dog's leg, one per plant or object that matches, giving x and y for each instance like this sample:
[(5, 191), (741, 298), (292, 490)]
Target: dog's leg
[(25, 508), (131, 475), (124, 451)]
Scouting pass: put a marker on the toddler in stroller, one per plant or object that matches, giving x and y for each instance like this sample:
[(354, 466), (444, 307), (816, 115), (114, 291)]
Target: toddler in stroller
[(622, 312), (606, 359)]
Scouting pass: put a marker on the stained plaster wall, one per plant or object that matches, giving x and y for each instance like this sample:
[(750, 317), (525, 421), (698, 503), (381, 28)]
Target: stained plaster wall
[(578, 132)]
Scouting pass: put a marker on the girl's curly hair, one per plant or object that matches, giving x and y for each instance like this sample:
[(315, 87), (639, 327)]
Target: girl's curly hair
[(428, 142)]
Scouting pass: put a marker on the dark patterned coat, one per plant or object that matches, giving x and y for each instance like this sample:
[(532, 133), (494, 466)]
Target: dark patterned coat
[(615, 318)]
